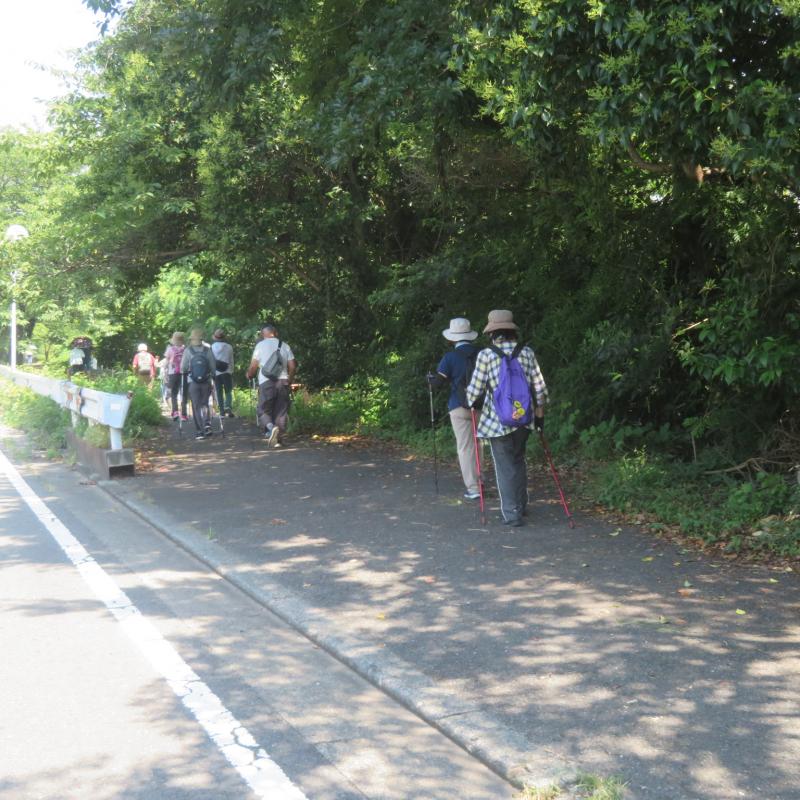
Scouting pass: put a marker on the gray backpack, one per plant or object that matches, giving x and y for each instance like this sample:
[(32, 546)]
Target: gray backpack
[(274, 365)]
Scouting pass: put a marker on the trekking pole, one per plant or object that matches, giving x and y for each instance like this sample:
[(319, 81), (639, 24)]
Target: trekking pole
[(219, 408), (433, 430), (555, 478), (253, 398), (478, 465), (180, 415)]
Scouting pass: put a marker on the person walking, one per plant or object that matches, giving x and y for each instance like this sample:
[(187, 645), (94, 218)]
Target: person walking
[(144, 365), (455, 369), (275, 365), (199, 365), (223, 355), (507, 429), (176, 378)]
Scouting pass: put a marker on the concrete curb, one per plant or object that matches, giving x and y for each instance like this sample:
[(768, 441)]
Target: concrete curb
[(508, 753)]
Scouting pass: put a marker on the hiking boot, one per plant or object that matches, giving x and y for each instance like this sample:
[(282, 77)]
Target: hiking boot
[(208, 431), (272, 436), (517, 522), (472, 495)]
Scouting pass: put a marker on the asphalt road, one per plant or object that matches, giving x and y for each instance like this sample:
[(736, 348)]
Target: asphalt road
[(131, 670)]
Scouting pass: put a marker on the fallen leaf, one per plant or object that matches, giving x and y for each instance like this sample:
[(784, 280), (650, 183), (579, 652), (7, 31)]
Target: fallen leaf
[(687, 584), (685, 592), (647, 558), (773, 580), (276, 521), (676, 563), (427, 578), (740, 611), (616, 532), (380, 616)]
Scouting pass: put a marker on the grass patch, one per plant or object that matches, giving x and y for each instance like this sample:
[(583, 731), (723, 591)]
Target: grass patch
[(584, 787), (43, 420)]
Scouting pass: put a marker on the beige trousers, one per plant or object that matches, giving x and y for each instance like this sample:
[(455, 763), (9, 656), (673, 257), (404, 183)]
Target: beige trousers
[(461, 420)]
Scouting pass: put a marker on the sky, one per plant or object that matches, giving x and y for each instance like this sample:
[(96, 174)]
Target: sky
[(36, 34)]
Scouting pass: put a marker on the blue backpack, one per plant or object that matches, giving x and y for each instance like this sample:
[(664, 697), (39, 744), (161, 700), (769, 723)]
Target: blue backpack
[(512, 398)]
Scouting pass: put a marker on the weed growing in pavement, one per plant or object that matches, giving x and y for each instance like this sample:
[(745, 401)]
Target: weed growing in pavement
[(584, 787)]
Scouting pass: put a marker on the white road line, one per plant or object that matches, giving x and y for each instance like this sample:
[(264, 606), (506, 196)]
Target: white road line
[(235, 742)]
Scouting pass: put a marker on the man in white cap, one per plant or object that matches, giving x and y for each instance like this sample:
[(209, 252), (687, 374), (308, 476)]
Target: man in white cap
[(507, 441), (455, 368)]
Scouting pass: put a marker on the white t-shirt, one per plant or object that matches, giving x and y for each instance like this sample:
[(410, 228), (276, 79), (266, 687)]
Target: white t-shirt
[(264, 349), (223, 352)]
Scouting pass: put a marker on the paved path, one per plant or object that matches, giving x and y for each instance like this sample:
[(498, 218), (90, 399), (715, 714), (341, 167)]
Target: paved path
[(544, 649)]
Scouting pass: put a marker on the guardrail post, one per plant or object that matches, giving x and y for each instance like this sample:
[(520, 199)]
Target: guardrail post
[(115, 435)]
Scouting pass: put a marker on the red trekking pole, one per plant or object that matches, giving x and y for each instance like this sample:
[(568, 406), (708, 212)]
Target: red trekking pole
[(555, 478), (478, 465)]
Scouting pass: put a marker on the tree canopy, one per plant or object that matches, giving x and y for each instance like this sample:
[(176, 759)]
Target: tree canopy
[(622, 175)]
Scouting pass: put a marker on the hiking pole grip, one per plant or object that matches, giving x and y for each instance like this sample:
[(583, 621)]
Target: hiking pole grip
[(555, 478)]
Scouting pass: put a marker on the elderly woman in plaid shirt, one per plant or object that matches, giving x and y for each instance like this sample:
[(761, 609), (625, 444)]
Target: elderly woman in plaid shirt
[(507, 444)]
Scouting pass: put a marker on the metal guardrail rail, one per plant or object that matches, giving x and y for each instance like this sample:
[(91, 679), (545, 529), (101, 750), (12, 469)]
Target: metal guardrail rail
[(100, 407)]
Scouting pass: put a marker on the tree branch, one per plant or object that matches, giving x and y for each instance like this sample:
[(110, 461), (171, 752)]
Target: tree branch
[(647, 166)]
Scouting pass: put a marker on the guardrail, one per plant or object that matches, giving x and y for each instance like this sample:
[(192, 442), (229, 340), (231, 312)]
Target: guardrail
[(100, 407)]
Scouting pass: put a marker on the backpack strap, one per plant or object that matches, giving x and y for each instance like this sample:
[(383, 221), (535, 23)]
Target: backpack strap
[(495, 349)]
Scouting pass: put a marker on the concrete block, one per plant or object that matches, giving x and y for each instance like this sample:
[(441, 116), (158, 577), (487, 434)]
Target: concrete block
[(106, 464)]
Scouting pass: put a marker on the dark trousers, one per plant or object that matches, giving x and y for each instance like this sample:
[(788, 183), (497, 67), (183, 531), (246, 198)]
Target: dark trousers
[(224, 383), (199, 394), (511, 472), (178, 384), (273, 404)]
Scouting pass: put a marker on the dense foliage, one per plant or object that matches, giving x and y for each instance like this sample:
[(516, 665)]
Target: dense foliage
[(623, 175)]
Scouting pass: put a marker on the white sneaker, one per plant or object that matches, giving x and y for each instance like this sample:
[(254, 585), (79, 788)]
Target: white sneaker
[(272, 437)]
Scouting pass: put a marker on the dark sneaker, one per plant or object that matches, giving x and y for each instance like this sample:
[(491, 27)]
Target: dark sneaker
[(199, 436), (174, 416), (517, 522), (208, 430), (472, 495), (229, 413)]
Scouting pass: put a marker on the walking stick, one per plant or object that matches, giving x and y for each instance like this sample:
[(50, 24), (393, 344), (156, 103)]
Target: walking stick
[(478, 465), (555, 478), (433, 430)]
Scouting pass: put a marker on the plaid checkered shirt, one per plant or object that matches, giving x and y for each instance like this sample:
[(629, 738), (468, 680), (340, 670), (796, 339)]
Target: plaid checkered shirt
[(485, 378)]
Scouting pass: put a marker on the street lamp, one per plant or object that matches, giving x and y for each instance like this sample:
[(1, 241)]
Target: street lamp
[(13, 234)]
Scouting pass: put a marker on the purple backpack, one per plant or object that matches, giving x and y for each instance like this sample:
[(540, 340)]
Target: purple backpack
[(512, 398)]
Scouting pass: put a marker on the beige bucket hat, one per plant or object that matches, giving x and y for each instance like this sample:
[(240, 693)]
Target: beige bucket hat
[(500, 320), (460, 330)]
